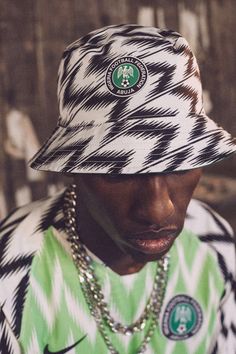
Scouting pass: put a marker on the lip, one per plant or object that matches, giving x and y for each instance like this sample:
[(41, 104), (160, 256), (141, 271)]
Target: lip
[(150, 234), (153, 242)]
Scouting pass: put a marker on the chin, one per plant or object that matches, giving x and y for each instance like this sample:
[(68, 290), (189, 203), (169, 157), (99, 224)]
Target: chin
[(141, 257)]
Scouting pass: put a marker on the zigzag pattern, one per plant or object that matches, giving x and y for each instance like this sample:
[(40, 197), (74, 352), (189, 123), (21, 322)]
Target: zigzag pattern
[(178, 159), (192, 275), (162, 145), (114, 161), (101, 120), (29, 223), (5, 341), (211, 151), (15, 264), (186, 92), (221, 240)]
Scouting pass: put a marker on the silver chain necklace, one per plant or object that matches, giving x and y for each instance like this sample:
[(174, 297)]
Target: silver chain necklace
[(93, 293)]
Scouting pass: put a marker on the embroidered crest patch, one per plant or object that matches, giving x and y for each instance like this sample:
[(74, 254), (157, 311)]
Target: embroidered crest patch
[(125, 76), (182, 318)]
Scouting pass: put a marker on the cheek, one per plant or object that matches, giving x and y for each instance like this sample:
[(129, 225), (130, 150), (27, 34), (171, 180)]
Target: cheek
[(95, 208), (181, 192), (112, 199), (116, 203)]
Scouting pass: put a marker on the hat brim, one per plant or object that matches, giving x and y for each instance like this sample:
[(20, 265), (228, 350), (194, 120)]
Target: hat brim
[(143, 145)]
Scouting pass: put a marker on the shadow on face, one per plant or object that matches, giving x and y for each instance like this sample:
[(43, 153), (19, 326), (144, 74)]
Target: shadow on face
[(139, 215)]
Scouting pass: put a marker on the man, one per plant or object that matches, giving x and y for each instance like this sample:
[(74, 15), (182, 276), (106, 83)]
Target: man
[(123, 261)]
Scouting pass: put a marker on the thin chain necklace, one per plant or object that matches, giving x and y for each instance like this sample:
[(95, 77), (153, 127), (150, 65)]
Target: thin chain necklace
[(93, 293)]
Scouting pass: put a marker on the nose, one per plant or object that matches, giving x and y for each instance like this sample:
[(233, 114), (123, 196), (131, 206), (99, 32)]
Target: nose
[(153, 205)]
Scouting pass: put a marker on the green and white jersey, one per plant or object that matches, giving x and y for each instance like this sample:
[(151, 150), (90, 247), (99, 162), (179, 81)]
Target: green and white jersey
[(43, 309)]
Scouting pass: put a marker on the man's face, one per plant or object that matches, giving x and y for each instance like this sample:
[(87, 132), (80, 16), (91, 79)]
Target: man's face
[(142, 214)]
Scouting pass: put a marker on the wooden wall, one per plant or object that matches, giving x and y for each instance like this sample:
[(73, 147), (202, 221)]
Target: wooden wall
[(33, 36)]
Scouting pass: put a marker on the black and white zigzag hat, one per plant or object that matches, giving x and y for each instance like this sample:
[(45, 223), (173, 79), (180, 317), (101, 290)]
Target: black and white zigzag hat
[(130, 101)]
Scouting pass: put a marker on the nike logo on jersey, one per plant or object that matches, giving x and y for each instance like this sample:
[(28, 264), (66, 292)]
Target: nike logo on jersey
[(63, 351)]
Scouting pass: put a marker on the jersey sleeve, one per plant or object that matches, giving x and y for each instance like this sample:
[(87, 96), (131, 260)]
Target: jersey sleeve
[(225, 340), (21, 238), (8, 341), (214, 230)]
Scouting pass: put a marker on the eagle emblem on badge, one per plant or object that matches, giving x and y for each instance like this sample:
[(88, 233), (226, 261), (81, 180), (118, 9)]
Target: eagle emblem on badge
[(125, 76), (125, 71)]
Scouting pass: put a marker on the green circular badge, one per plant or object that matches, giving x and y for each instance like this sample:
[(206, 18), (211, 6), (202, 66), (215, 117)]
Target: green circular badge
[(182, 318), (125, 76)]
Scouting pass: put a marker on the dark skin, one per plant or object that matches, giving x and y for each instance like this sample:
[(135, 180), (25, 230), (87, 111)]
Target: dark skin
[(129, 220)]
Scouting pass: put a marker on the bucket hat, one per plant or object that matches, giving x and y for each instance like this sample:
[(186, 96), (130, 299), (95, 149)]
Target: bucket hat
[(130, 101)]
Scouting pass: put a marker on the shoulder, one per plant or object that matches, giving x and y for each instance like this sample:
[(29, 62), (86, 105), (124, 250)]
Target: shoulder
[(22, 233), (206, 221), (32, 218), (217, 237), (21, 238), (216, 234)]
